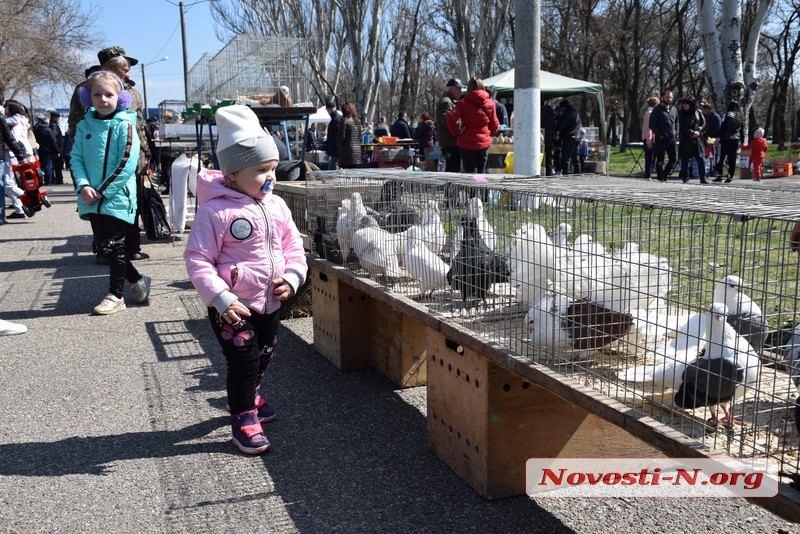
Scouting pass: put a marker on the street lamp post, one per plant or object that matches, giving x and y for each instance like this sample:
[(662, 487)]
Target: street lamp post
[(144, 85)]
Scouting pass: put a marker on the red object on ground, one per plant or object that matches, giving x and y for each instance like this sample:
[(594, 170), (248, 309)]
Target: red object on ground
[(30, 178)]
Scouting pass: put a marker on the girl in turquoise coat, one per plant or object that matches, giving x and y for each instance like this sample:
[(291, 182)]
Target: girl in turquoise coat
[(104, 155)]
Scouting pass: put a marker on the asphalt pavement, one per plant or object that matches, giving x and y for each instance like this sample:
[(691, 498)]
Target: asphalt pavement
[(116, 423)]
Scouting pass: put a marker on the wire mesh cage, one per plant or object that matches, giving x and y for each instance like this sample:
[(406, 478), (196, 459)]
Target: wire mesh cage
[(678, 300), (251, 66)]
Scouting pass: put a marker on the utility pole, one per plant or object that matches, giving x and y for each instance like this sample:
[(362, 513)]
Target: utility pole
[(185, 56), (527, 92)]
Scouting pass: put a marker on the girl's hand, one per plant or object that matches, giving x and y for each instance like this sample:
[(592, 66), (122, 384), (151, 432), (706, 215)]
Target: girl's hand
[(233, 315), (283, 290), (89, 195)]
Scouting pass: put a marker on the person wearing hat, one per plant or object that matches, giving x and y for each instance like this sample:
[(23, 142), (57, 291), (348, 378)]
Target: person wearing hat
[(244, 257), (331, 144), (447, 141)]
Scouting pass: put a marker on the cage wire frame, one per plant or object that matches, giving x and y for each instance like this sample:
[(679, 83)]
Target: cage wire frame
[(251, 65), (692, 237)]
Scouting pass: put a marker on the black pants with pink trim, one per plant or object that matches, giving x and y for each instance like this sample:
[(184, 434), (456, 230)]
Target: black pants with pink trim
[(248, 349)]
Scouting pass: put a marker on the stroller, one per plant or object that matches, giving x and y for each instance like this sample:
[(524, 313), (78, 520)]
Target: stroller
[(30, 177)]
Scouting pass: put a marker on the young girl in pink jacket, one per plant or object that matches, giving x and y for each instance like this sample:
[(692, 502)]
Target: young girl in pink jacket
[(244, 256)]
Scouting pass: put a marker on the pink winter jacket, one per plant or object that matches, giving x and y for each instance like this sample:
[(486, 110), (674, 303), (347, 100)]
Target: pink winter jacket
[(238, 245)]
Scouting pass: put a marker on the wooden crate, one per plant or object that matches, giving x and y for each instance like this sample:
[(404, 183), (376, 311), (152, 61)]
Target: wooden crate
[(342, 322), (399, 343), (485, 422)]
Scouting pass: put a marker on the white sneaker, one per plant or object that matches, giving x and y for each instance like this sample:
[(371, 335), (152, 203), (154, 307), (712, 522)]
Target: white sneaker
[(110, 304), (141, 290), (7, 328)]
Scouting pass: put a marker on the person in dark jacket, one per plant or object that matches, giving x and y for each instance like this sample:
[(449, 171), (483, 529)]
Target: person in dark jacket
[(692, 144), (713, 123), (331, 145), (400, 127), (426, 136), (349, 138), (501, 111), (447, 141), (548, 124), (731, 134), (569, 128), (48, 147), (473, 122), (58, 157), (664, 124)]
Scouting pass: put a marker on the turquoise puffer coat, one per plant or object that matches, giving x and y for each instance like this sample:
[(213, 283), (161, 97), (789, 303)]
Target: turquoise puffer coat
[(104, 156)]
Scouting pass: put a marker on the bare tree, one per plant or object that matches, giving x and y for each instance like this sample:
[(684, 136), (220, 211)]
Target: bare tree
[(731, 68), (47, 53)]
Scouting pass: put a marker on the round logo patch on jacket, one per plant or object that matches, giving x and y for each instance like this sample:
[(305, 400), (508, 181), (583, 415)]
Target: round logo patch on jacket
[(241, 229)]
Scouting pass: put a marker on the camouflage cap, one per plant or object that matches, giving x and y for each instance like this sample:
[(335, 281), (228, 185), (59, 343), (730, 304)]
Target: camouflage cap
[(113, 51)]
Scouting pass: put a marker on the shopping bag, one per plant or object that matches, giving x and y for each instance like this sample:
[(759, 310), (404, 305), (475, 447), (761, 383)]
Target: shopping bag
[(154, 216)]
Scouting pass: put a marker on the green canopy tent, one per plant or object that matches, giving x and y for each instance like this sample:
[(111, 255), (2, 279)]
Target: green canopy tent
[(551, 86)]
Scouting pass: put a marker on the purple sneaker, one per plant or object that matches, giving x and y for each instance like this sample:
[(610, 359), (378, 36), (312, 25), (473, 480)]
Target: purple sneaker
[(248, 436), (265, 413)]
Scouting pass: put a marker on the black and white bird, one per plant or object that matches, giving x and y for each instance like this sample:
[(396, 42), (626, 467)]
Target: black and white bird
[(325, 245), (722, 373), (744, 314), (485, 230), (376, 250), (562, 324), (423, 264), (476, 267)]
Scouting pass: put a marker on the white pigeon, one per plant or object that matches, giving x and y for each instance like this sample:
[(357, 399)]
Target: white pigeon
[(431, 228), (561, 235), (344, 234), (350, 223), (722, 374), (532, 261), (423, 264), (376, 250), (485, 230), (744, 314)]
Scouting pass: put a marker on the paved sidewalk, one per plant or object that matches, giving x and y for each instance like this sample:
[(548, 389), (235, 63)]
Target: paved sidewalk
[(115, 424)]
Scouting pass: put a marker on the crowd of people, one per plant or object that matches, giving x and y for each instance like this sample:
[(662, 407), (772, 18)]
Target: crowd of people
[(693, 134)]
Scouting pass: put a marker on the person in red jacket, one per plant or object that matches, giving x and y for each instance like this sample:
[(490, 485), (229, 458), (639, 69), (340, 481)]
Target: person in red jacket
[(758, 149), (473, 122)]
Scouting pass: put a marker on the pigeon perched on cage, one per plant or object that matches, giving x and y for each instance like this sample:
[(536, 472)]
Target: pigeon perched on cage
[(559, 323), (722, 373), (326, 245), (485, 230), (744, 314), (423, 264), (476, 267), (376, 250)]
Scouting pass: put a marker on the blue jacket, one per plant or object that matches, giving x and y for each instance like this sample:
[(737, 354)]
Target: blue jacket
[(104, 156)]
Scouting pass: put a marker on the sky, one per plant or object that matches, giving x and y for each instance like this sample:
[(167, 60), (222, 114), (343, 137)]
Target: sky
[(149, 30)]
